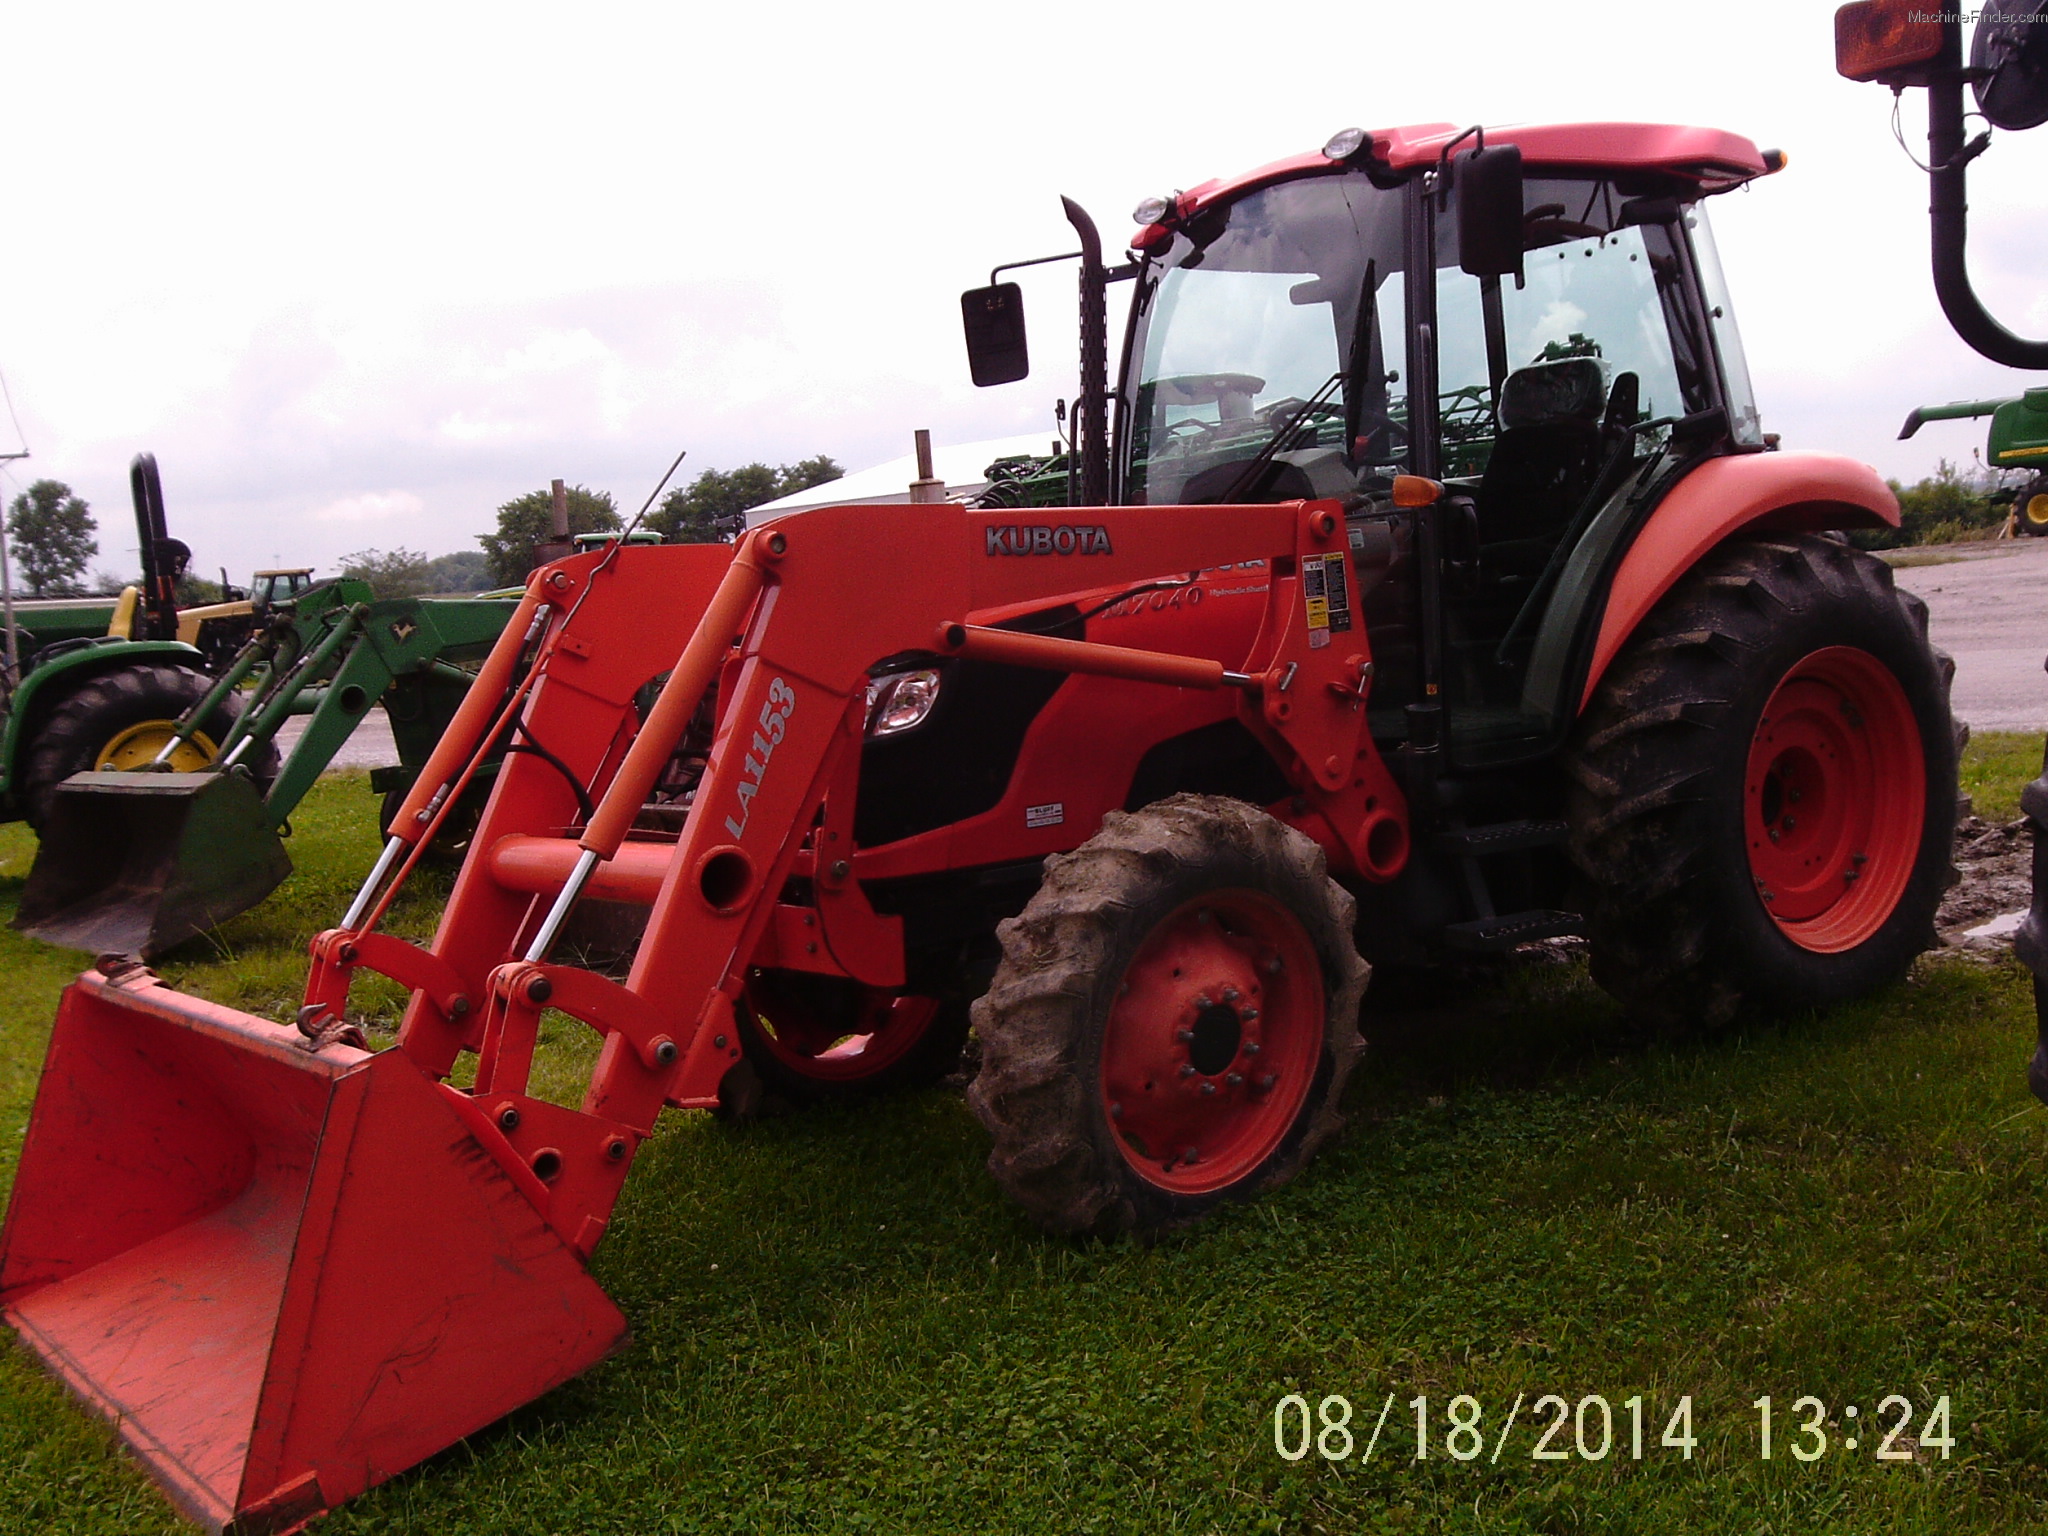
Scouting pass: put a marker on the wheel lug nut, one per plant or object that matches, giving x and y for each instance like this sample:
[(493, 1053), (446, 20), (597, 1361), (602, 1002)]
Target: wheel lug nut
[(1236, 1079), (1184, 1036), (1202, 1002), (1186, 1070), (1273, 966), (1208, 1087), (1270, 1081), (1774, 834), (1790, 823), (1251, 1047), (1116, 1110), (1248, 1014), (1793, 796), (1231, 994), (1188, 1156)]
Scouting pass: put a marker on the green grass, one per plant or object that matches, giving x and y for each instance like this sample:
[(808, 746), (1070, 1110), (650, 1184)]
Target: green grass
[(1996, 766), (840, 1325)]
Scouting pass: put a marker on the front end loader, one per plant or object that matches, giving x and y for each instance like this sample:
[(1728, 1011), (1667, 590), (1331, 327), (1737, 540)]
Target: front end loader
[(137, 859), (1548, 640)]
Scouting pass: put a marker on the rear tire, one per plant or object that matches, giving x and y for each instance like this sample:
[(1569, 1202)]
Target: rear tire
[(122, 717), (1173, 1021), (1764, 788)]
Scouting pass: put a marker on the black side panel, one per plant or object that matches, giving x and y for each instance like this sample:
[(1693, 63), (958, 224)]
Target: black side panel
[(1219, 759), (958, 763)]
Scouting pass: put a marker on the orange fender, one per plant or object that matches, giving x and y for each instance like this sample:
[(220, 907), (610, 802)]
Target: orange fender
[(1776, 492)]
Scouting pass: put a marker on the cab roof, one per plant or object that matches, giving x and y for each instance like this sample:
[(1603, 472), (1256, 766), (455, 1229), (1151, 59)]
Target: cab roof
[(1713, 161)]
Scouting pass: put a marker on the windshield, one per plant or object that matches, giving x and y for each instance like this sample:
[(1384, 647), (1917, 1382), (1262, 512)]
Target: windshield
[(1244, 386)]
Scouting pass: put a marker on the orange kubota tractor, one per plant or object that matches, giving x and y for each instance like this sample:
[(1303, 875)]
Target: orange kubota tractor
[(1437, 590)]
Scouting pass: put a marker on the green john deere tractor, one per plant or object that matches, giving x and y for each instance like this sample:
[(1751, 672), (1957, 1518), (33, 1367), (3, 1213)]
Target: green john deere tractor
[(97, 682), (180, 830)]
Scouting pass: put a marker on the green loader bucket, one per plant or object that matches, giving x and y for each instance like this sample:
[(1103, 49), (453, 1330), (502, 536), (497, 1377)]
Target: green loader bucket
[(136, 863)]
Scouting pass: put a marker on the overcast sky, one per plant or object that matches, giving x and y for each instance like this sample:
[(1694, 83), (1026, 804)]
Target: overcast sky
[(358, 274)]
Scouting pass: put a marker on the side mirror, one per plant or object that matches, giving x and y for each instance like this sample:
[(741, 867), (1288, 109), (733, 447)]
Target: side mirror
[(2012, 91), (1489, 188), (994, 321)]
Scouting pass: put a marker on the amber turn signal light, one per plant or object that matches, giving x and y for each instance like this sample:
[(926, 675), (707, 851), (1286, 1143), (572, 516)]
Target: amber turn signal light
[(1416, 491), (1887, 40)]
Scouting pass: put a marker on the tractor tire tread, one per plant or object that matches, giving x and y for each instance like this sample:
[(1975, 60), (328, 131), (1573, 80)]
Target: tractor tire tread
[(1034, 1092), (1645, 761)]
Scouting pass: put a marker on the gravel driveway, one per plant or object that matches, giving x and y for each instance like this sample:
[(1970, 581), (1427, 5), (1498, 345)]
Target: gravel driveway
[(370, 746), (1987, 606)]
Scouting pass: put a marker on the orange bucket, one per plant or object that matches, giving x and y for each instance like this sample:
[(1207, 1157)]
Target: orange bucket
[(284, 1274)]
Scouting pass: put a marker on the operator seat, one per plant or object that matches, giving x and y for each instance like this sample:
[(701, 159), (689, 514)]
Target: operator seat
[(1544, 460)]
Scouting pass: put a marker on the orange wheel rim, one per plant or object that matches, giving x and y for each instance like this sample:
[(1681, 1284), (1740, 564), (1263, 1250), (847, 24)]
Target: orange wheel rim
[(1834, 800), (1213, 1042), (884, 1033)]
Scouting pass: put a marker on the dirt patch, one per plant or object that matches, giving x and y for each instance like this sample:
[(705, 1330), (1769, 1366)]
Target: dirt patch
[(1995, 860)]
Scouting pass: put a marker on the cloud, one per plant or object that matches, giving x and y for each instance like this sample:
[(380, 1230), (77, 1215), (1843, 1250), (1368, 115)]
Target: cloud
[(457, 294), (372, 507)]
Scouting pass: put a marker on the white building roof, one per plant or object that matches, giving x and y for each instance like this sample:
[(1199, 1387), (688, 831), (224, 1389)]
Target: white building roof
[(963, 466)]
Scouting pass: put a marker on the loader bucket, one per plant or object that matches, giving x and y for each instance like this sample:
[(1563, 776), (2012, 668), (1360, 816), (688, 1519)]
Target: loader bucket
[(139, 862), (284, 1275)]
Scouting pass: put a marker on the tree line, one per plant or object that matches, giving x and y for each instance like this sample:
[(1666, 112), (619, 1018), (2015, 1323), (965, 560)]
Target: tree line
[(52, 534)]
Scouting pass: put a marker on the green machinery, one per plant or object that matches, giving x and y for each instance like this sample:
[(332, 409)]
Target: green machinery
[(143, 855), (89, 681), (2018, 440)]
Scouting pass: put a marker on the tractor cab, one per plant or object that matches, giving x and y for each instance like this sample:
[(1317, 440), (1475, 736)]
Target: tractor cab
[(1544, 345), (278, 586), (1534, 318)]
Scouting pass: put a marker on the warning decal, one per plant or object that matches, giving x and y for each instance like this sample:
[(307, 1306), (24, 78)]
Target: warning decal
[(1315, 594), (1338, 591)]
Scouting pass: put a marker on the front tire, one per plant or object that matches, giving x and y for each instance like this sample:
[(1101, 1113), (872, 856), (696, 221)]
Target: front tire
[(1764, 788), (1173, 1021), (2030, 508), (120, 719)]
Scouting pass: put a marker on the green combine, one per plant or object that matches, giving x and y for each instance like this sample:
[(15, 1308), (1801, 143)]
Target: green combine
[(2018, 440)]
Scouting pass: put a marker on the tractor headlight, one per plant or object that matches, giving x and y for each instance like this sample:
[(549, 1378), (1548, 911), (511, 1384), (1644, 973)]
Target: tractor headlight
[(900, 701), (1344, 143)]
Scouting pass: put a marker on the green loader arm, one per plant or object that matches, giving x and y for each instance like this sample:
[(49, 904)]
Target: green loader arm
[(403, 652)]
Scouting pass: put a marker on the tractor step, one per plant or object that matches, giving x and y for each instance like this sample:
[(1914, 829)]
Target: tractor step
[(1490, 935), (1503, 837)]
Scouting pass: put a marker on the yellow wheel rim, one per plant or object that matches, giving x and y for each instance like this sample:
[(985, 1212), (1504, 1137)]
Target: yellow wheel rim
[(2037, 511), (138, 746)]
